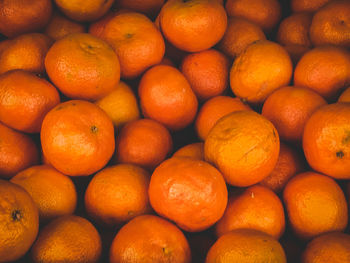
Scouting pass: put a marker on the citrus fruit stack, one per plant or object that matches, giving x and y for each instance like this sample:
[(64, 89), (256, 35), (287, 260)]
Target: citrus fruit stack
[(174, 131)]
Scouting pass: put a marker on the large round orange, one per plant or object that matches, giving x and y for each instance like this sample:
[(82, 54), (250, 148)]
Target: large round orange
[(167, 97), (77, 138), (264, 13), (53, 192), (83, 66), (143, 142), (214, 109), (325, 69), (288, 108), (326, 140), (193, 25), (244, 146), (331, 247), (190, 192), (246, 246), (207, 73), (17, 152), (22, 108), (117, 194), (256, 208), (136, 40), (149, 238), (315, 205), (307, 5), (67, 239), (330, 24), (262, 68), (18, 16), (19, 221)]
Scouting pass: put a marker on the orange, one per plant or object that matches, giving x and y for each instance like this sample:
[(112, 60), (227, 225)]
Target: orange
[(167, 61), (148, 7), (264, 13), (244, 146), (192, 25), (60, 26), (53, 192), (213, 109), (26, 52), (296, 52), (289, 164), (136, 40), (83, 66), (150, 239), (17, 152), (167, 97), (256, 208), (345, 96), (143, 142), (19, 221), (120, 104), (193, 150), (246, 246), (326, 140), (84, 10), (207, 73), (288, 108), (96, 28), (331, 247), (315, 205), (117, 194), (324, 69), (4, 44), (22, 108), (240, 33), (18, 17), (307, 5), (67, 239), (190, 192), (331, 24), (262, 68), (77, 138)]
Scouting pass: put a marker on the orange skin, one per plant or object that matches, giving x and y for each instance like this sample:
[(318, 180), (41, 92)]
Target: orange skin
[(75, 239), (213, 109), (149, 238), (4, 44), (19, 221), (26, 52), (345, 96), (77, 138), (96, 28), (22, 108), (53, 193), (143, 142), (190, 192), (193, 25), (136, 40), (296, 52), (331, 24), (17, 152), (256, 208), (120, 104), (315, 205), (18, 17), (83, 66), (324, 69), (148, 7), (193, 150), (326, 140), (289, 164), (307, 5), (246, 245), (332, 247), (239, 34), (84, 10), (207, 73), (264, 13), (117, 194), (244, 146), (262, 68), (288, 108), (60, 26), (167, 97)]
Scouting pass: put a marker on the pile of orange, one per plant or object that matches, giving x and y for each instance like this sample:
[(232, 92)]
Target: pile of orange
[(178, 131)]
